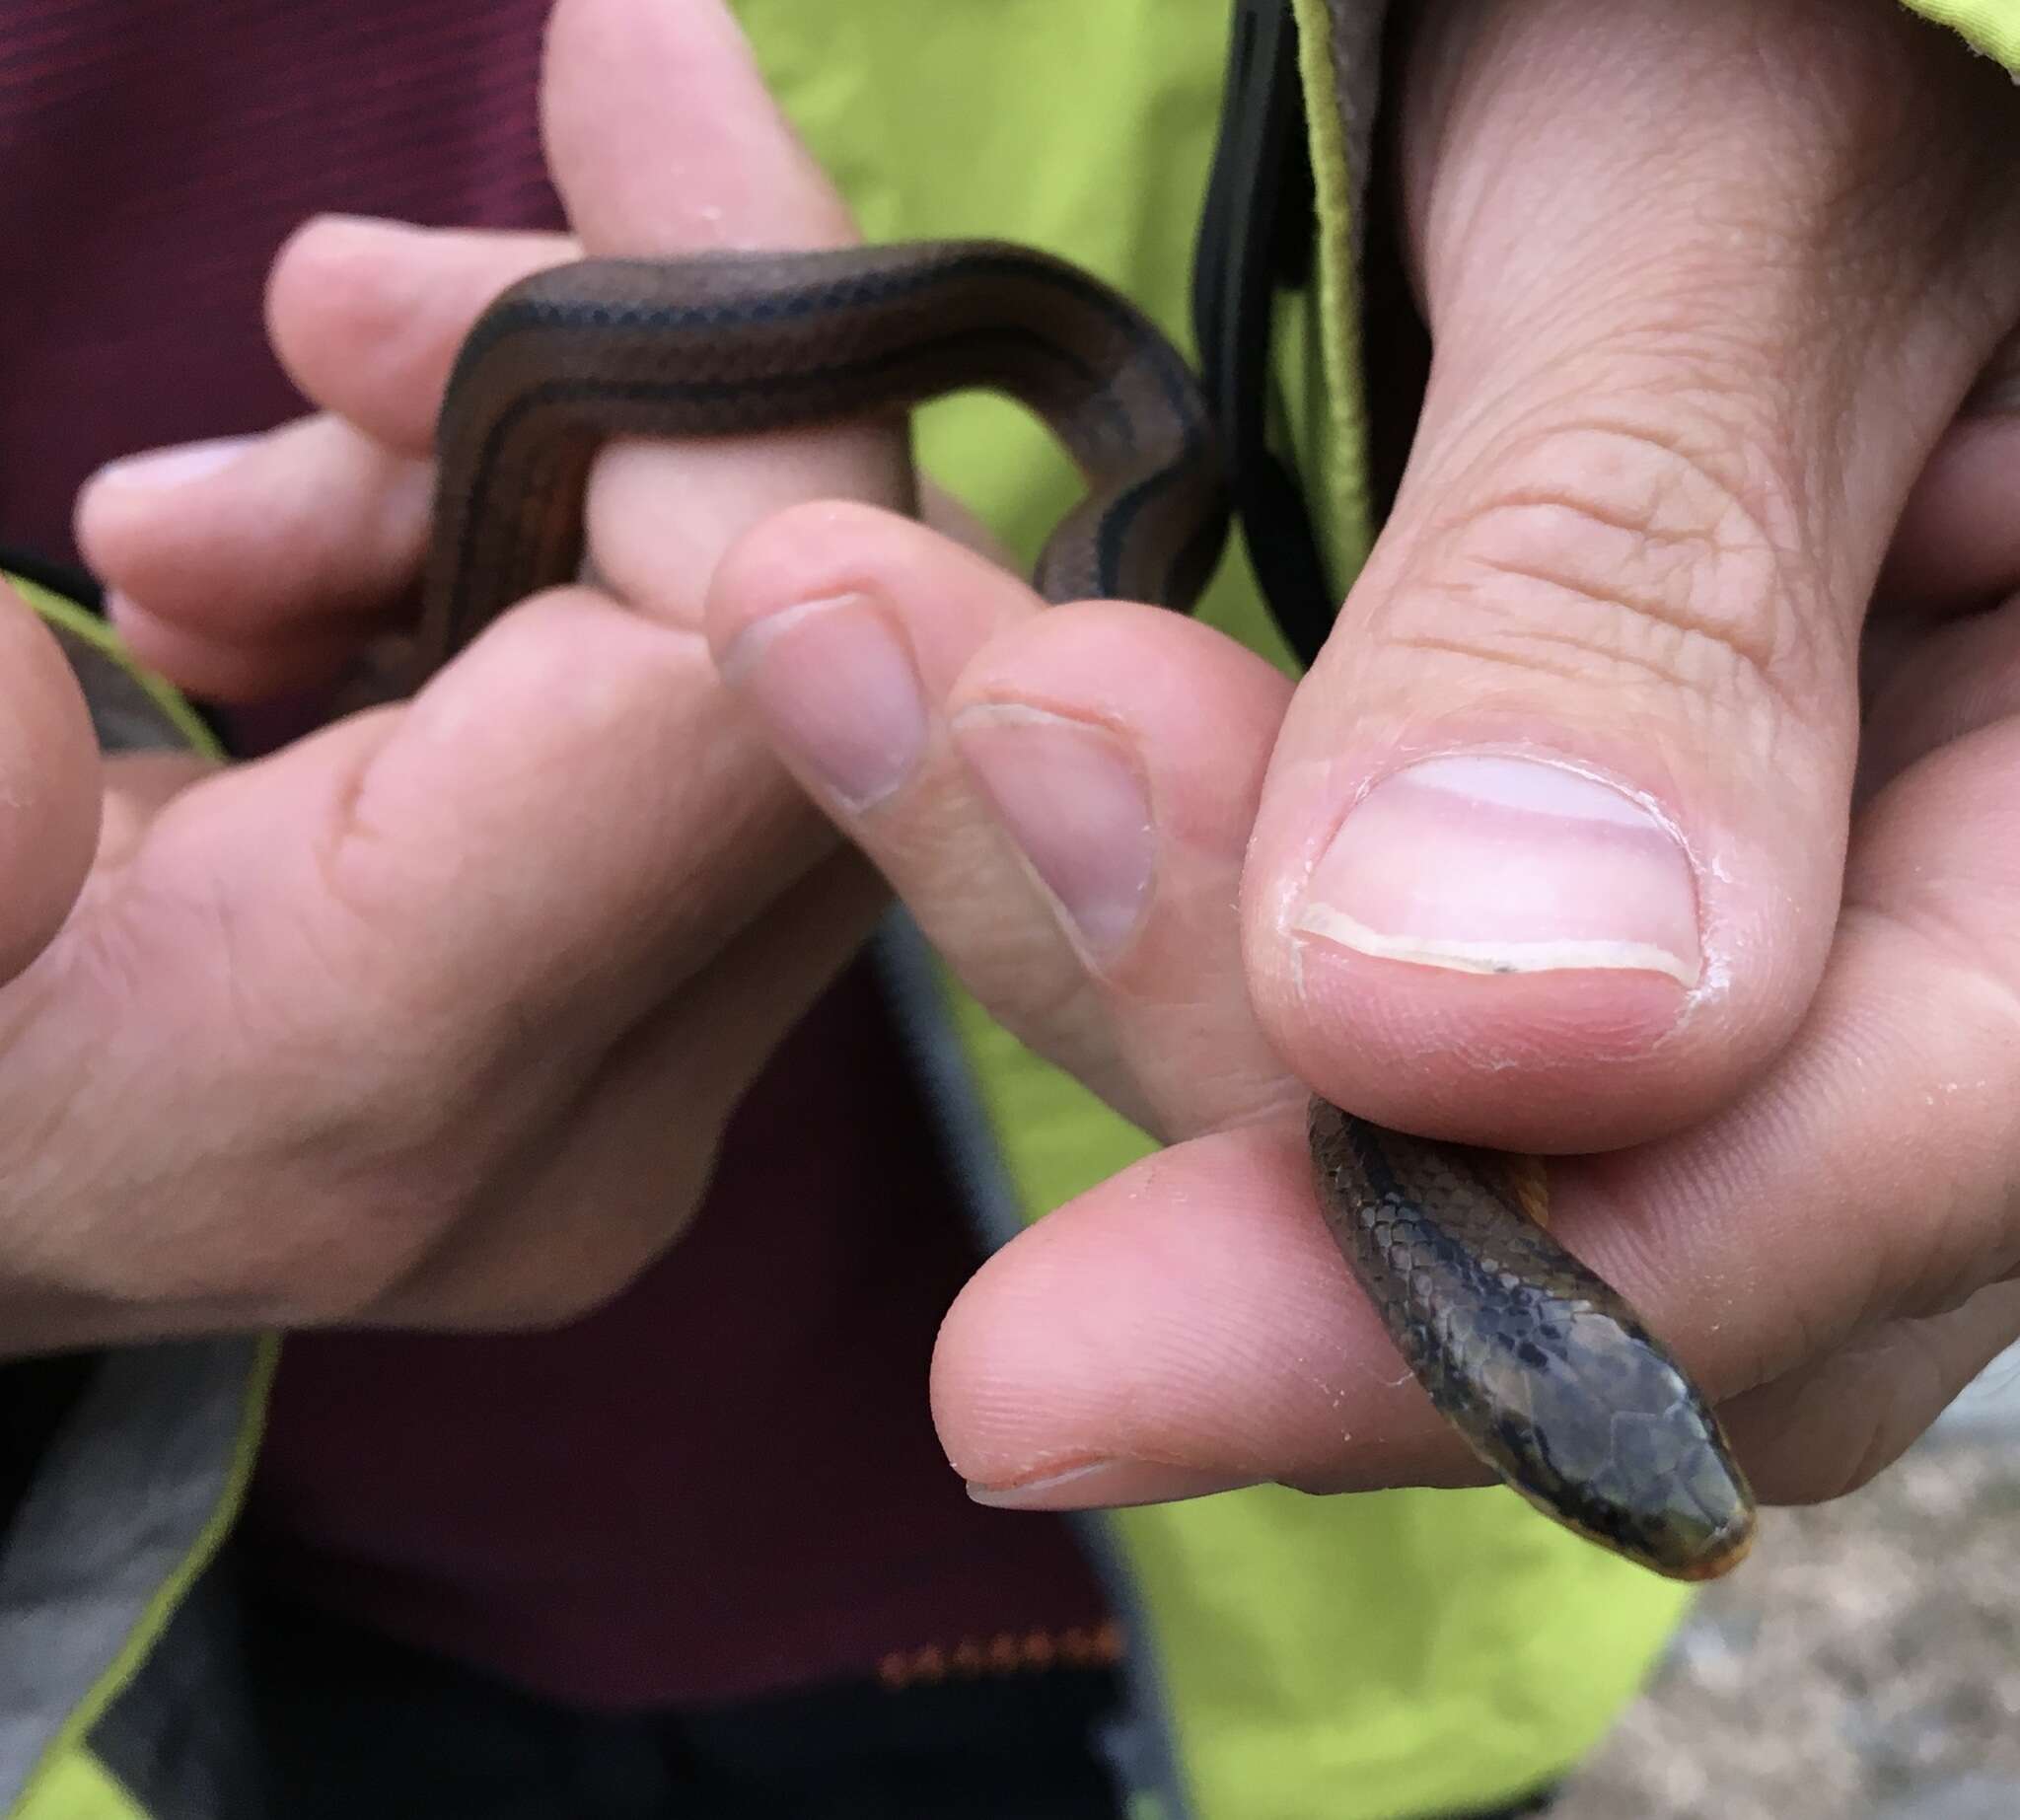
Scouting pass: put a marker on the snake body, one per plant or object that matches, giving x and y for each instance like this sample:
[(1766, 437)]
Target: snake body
[(740, 343), (1541, 1368)]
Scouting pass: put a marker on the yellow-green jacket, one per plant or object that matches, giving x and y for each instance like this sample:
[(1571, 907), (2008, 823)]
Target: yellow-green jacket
[(1354, 1658)]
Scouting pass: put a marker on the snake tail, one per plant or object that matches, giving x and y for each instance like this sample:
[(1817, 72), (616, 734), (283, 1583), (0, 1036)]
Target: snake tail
[(1547, 1373)]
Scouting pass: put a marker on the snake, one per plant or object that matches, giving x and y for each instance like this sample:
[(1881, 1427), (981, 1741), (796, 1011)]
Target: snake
[(1543, 1370)]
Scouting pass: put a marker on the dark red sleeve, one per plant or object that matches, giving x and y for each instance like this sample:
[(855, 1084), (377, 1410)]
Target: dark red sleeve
[(153, 157)]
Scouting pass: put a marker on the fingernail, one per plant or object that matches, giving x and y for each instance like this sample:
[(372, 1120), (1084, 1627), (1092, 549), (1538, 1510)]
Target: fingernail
[(189, 460), (1110, 1484), (1501, 865), (835, 683), (1073, 799)]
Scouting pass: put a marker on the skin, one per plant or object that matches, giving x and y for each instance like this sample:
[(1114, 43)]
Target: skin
[(1633, 228)]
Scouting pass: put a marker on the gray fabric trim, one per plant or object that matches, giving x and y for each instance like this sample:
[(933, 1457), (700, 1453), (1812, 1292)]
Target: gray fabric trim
[(1139, 1745), (131, 1480), (126, 718)]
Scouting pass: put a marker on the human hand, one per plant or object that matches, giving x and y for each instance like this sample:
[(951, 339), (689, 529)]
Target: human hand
[(1709, 291), (432, 1019)]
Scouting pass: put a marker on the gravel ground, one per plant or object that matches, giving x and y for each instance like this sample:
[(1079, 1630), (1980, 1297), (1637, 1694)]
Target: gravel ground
[(1864, 1664)]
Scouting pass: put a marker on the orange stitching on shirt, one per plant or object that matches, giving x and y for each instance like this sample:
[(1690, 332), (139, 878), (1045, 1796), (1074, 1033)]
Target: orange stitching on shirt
[(1006, 1654)]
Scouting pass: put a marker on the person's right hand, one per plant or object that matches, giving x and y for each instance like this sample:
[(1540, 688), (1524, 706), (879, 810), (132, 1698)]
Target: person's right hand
[(433, 1018)]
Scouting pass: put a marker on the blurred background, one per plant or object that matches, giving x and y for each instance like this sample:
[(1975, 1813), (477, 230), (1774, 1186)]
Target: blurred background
[(1863, 1664)]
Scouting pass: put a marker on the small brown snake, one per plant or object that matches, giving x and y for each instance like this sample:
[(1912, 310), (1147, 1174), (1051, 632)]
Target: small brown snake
[(1543, 1369)]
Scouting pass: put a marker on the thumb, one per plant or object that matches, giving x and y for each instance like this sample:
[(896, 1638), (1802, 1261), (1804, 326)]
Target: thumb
[(1551, 851)]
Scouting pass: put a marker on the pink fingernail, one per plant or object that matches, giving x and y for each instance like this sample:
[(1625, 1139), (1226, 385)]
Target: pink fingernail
[(835, 683), (1073, 799), (1110, 1484), (1483, 864)]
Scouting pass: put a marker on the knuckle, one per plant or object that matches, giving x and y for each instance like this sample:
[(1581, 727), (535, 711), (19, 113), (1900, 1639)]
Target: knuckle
[(1632, 559)]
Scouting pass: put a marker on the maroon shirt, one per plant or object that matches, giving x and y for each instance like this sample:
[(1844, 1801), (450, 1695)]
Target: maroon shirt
[(726, 1482)]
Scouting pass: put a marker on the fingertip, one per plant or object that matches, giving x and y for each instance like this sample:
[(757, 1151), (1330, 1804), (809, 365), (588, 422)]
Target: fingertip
[(366, 315), (947, 596), (262, 557), (121, 508), (800, 553), (1192, 1312), (331, 291), (1201, 705)]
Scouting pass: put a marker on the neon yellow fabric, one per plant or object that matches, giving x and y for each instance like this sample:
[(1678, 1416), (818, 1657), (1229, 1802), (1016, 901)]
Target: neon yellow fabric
[(1990, 27), (1396, 1654), (77, 1786), (95, 631)]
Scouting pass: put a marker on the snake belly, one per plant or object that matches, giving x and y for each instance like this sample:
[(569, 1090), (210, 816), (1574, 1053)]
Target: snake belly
[(1543, 1369)]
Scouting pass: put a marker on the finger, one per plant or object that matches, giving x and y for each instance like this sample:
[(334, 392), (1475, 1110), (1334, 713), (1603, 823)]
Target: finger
[(1829, 1428), (1552, 844), (256, 665), (663, 138), (243, 568), (1061, 798), (367, 315), (1240, 1351), (1865, 1182), (1958, 544), (661, 134), (1933, 687)]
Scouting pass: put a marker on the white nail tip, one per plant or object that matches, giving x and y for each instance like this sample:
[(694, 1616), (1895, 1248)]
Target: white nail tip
[(1494, 957)]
